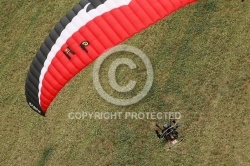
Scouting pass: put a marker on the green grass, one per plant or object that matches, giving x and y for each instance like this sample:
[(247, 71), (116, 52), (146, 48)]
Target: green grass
[(201, 60)]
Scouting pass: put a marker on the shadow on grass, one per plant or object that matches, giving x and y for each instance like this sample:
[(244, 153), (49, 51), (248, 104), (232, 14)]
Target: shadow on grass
[(46, 155)]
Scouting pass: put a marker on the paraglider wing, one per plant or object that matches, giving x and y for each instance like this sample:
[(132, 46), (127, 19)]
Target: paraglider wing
[(87, 31)]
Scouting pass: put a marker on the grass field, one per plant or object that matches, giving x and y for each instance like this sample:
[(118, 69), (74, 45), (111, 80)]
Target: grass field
[(201, 61)]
